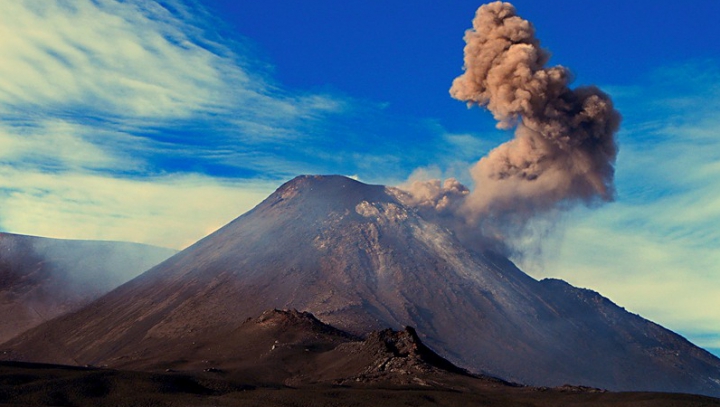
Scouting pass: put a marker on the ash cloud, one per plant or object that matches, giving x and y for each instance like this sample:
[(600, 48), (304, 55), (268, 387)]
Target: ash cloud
[(563, 151), (443, 197)]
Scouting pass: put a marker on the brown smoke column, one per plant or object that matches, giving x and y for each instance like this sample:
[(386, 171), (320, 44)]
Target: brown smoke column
[(564, 149)]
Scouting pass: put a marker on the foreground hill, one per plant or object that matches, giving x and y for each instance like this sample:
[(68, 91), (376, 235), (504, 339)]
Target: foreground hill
[(295, 348), (42, 278), (289, 358), (360, 259)]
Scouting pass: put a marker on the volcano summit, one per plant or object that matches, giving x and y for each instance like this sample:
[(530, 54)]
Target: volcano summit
[(360, 259)]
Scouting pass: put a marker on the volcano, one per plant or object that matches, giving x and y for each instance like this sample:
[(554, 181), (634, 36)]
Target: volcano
[(359, 259)]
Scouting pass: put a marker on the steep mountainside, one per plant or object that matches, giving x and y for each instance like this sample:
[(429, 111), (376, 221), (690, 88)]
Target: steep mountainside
[(359, 259), (42, 278)]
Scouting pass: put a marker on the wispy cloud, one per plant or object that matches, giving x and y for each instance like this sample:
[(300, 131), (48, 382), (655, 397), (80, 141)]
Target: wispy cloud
[(113, 112), (172, 211), (140, 65), (655, 249), (53, 144), (128, 59)]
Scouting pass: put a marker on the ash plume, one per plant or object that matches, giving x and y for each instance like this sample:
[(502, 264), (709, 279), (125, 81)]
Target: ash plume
[(564, 149), (442, 197)]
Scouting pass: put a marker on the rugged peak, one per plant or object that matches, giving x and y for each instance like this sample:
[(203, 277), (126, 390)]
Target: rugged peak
[(403, 351), (399, 343)]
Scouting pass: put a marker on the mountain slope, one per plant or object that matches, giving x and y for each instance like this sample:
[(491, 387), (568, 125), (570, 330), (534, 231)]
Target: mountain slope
[(42, 278), (359, 259)]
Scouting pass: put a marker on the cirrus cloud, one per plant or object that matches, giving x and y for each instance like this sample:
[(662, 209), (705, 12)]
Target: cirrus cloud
[(113, 112)]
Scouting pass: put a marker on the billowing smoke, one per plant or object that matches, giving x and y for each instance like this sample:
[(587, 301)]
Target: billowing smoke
[(435, 195), (564, 149)]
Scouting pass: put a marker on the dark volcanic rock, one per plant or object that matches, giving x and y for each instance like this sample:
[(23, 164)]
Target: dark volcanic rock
[(322, 365), (403, 351), (397, 357), (358, 258), (388, 368)]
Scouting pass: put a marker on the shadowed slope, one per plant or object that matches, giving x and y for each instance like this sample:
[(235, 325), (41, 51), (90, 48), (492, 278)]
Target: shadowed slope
[(295, 348), (359, 259), (289, 358), (42, 278)]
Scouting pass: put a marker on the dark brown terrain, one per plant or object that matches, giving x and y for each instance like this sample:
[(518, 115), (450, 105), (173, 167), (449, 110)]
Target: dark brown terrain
[(289, 358), (360, 259), (42, 278)]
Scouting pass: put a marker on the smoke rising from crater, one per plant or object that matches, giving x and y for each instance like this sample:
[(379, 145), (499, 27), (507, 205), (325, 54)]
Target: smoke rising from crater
[(564, 148)]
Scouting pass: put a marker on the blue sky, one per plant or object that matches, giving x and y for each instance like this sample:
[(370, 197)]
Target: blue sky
[(159, 122)]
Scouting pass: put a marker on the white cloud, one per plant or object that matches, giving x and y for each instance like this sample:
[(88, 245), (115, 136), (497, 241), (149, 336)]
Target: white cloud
[(172, 211), (671, 279), (140, 64), (57, 144), (121, 58)]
